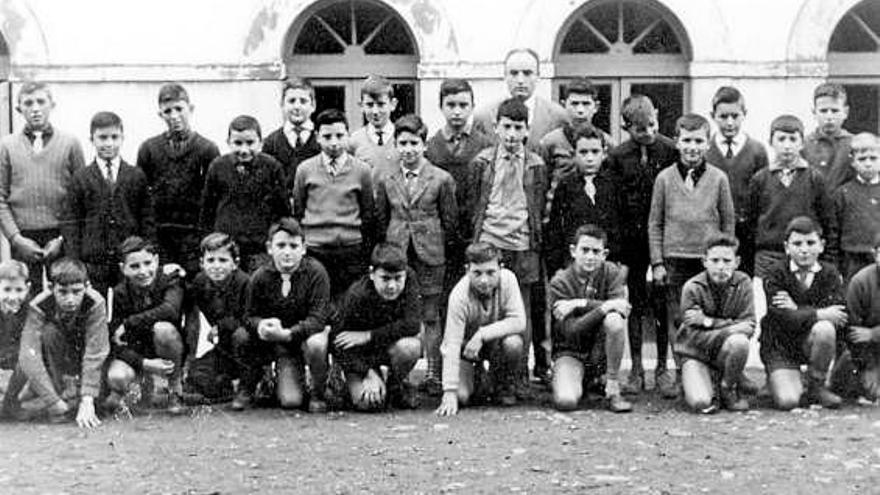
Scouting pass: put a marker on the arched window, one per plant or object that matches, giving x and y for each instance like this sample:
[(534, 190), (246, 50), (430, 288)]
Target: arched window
[(624, 47), (854, 61), (337, 43)]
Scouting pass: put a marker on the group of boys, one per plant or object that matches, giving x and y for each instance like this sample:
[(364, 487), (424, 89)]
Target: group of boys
[(374, 236)]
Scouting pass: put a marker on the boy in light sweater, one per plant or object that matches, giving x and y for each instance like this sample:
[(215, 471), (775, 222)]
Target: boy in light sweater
[(691, 201)]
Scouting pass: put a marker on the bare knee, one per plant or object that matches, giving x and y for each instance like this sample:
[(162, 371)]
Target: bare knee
[(737, 345), (615, 325), (566, 398), (315, 347), (405, 350), (290, 399), (165, 334), (823, 332), (512, 345), (120, 375)]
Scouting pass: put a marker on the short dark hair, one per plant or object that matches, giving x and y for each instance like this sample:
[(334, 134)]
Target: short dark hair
[(103, 120), (581, 86), (722, 240), (245, 123), (412, 124), (691, 122), (728, 94), (68, 271), (219, 240), (576, 133), (786, 123), (329, 117), (30, 87), (830, 90), (637, 110), (388, 257), (590, 230), (514, 109), (528, 51), (375, 86), (297, 83), (481, 252), (14, 270), (286, 224), (455, 86), (172, 92), (802, 225), (134, 244)]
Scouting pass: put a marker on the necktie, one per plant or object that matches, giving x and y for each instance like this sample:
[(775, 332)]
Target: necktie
[(590, 188), (803, 277), (411, 183), (643, 161), (285, 284), (332, 167), (689, 180), (298, 130), (379, 139), (109, 166), (786, 176), (38, 141), (729, 143), (456, 143)]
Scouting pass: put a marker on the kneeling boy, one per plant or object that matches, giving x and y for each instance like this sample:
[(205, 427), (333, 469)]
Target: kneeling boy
[(804, 312), (64, 344), (485, 320), (719, 318), (590, 307), (379, 325), (287, 304), (863, 334), (14, 290)]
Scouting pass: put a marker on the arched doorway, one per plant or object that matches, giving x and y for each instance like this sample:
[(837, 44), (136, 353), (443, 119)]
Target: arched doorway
[(624, 47), (854, 61), (337, 43)]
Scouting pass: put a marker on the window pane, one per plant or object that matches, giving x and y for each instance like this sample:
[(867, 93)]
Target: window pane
[(661, 39), (668, 98), (329, 97), (392, 39), (405, 92), (863, 108), (315, 40), (604, 18), (848, 36)]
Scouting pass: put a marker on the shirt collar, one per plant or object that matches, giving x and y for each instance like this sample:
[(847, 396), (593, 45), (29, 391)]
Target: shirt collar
[(387, 133), (738, 141), (289, 128), (840, 134), (801, 163), (417, 171), (113, 163), (871, 183), (46, 131), (448, 133), (816, 268)]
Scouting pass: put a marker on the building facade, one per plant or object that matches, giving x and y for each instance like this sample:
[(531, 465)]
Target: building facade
[(114, 54)]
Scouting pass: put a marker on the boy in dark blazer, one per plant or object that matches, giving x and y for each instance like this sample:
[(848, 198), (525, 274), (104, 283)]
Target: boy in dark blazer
[(417, 212), (109, 201), (295, 140)]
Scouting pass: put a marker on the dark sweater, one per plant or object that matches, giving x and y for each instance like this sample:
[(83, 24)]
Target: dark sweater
[(830, 156), (772, 206), (303, 310), (139, 309), (11, 325), (243, 201), (364, 310), (277, 146), (740, 169), (635, 183), (176, 178), (781, 328), (222, 303), (857, 209), (100, 216)]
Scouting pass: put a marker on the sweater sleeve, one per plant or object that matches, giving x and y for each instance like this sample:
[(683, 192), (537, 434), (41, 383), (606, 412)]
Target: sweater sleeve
[(383, 211), (299, 194), (657, 219), (167, 310), (407, 326), (512, 314), (788, 320), (366, 203), (858, 301), (30, 359), (453, 336), (7, 219), (97, 347), (319, 300), (448, 207), (208, 209), (725, 207)]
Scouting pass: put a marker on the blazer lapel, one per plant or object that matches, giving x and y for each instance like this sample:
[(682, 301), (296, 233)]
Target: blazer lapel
[(421, 183)]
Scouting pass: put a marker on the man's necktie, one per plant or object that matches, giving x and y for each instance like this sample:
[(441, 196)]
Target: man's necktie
[(729, 143), (299, 139), (38, 141), (285, 284), (411, 180), (689, 180), (379, 139), (786, 176), (109, 167), (590, 188)]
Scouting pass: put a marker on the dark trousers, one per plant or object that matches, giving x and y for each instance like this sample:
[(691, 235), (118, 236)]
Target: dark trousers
[(180, 244), (35, 268)]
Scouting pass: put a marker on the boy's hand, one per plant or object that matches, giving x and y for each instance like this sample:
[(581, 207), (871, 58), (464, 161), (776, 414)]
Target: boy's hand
[(52, 249), (473, 347), (347, 340), (373, 394), (158, 366), (617, 305), (836, 314), (693, 317), (213, 335), (29, 249), (659, 275), (448, 404), (782, 300), (861, 335), (118, 334), (268, 329), (174, 269), (563, 308), (85, 415)]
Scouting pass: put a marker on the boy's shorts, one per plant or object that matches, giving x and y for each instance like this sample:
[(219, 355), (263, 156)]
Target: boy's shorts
[(344, 265), (591, 352), (704, 345), (375, 356), (526, 265), (430, 276), (788, 357)]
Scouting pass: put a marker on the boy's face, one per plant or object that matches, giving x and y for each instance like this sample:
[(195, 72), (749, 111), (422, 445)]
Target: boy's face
[(512, 133), (332, 139), (729, 117), (69, 297), (830, 113), (107, 141), (692, 146), (866, 161), (804, 249), (244, 144), (787, 146), (140, 268), (588, 155), (720, 262), (297, 105), (410, 147), (457, 109), (581, 108), (287, 251), (218, 264), (644, 133), (377, 109), (521, 75), (176, 114), (588, 254), (484, 277), (13, 292), (35, 108), (389, 285)]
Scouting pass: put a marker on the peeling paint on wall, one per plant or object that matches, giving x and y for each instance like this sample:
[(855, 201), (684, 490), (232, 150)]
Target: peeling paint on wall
[(13, 24), (266, 20)]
